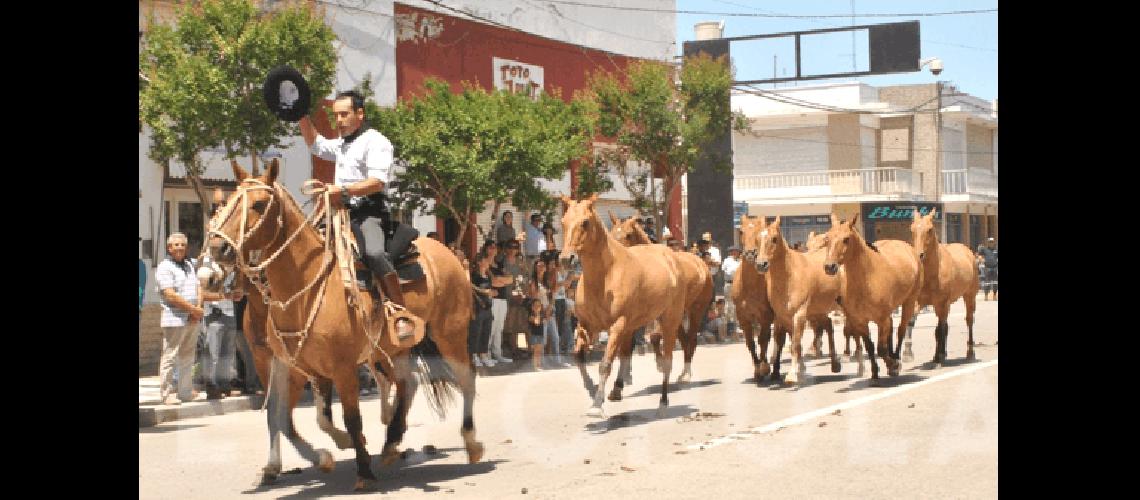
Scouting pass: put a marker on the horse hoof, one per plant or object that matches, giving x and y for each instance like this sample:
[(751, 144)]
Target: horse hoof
[(684, 378), (614, 396), (475, 453), (791, 378), (762, 370), (389, 455), (326, 461), (385, 415), (595, 412), (661, 411), (364, 484), (266, 479), (835, 366), (907, 356), (894, 372), (970, 355)]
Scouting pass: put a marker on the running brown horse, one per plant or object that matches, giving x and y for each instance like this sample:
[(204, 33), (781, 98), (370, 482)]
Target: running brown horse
[(750, 295), (621, 290), (696, 282), (817, 242), (314, 330), (948, 274), (877, 280), (798, 289)]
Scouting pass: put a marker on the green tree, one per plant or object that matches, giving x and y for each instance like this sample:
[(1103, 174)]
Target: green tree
[(662, 124), (205, 73), (465, 149)]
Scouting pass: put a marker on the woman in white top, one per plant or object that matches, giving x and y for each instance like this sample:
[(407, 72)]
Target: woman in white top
[(540, 289)]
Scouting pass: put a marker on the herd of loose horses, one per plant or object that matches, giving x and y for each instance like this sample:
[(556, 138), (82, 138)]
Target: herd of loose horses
[(303, 326)]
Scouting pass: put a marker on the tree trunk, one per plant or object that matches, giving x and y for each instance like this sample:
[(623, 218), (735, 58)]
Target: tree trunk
[(495, 218), (204, 203), (253, 162)]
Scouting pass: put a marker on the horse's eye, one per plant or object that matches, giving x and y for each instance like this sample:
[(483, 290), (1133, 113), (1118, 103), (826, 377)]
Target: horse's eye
[(585, 224), (259, 205), (847, 240)]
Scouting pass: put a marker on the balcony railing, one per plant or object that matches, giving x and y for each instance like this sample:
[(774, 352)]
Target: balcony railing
[(870, 182), (973, 181)]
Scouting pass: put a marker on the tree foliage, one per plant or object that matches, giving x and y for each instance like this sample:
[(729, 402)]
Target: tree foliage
[(206, 71), (662, 123), (465, 149)]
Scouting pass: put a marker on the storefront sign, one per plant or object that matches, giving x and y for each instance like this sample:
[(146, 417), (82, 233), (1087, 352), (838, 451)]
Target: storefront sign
[(898, 211), (517, 77)]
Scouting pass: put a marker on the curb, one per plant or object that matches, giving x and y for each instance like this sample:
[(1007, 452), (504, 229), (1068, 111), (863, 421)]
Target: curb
[(152, 415)]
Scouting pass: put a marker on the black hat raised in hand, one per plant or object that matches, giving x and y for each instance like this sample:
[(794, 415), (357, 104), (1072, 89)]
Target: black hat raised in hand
[(287, 93)]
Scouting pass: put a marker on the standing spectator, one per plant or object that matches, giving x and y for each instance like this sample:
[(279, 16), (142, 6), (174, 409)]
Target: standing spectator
[(540, 290), (560, 280), (501, 282), (536, 324), (533, 241), (649, 229), (218, 294), (729, 267), (178, 287), (479, 330), (988, 258), (514, 320), (504, 231), (548, 238), (713, 248)]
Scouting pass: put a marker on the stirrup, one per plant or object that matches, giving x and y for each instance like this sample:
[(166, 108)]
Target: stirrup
[(399, 314)]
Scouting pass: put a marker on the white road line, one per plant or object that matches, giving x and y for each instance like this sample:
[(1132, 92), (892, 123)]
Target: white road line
[(803, 417)]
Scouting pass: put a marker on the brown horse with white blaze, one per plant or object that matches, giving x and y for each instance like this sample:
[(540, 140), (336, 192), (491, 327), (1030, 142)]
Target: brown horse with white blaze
[(315, 330), (948, 274), (798, 289), (877, 279), (621, 289), (750, 295)]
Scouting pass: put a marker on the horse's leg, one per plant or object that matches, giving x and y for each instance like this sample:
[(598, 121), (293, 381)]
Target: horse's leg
[(941, 310), (669, 327), (799, 322), (907, 354), (321, 459), (322, 396), (625, 360), (886, 330), (781, 332), (460, 363), (816, 351), (617, 330), (688, 347), (750, 343), (830, 328), (581, 340), (869, 347), (276, 418), (385, 387), (348, 387), (405, 389), (970, 300)]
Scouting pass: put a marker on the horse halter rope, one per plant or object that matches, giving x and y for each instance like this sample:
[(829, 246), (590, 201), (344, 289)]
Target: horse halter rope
[(253, 272)]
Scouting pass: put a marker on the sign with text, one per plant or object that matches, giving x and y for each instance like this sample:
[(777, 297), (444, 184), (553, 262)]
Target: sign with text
[(517, 77), (898, 211)]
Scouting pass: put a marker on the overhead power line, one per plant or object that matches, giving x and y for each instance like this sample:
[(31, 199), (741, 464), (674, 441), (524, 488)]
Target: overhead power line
[(775, 15)]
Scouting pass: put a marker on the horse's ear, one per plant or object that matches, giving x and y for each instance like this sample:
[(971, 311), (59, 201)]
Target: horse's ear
[(854, 218), (613, 218), (811, 235), (592, 198), (917, 215), (835, 221), (239, 173), (566, 199), (776, 223), (272, 171)]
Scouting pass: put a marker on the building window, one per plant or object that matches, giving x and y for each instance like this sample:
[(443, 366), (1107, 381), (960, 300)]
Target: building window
[(954, 228), (975, 231), (190, 224)]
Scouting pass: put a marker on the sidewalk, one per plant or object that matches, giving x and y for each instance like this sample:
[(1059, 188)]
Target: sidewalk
[(152, 412)]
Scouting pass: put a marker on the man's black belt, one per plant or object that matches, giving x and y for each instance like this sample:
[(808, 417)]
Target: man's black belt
[(375, 204)]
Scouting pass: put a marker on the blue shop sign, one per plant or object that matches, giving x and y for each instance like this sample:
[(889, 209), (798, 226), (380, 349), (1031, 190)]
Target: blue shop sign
[(899, 211)]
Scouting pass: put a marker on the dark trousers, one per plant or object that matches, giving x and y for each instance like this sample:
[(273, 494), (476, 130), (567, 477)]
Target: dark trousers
[(369, 232), (479, 331), (565, 334)]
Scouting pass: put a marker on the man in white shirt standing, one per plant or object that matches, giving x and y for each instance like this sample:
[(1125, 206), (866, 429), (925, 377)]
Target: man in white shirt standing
[(535, 242), (178, 287), (363, 159)]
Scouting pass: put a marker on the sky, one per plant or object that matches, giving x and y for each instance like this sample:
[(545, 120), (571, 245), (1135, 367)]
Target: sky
[(966, 43)]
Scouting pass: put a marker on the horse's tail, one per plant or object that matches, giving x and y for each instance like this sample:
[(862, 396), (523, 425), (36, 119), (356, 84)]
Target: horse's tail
[(432, 372)]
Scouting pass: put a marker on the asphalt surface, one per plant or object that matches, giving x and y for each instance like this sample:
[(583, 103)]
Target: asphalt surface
[(929, 433)]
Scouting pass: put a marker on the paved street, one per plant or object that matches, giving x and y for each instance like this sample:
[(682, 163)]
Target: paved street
[(929, 433)]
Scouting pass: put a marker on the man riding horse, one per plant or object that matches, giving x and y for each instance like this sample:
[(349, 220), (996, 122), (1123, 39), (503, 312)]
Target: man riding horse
[(363, 159)]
